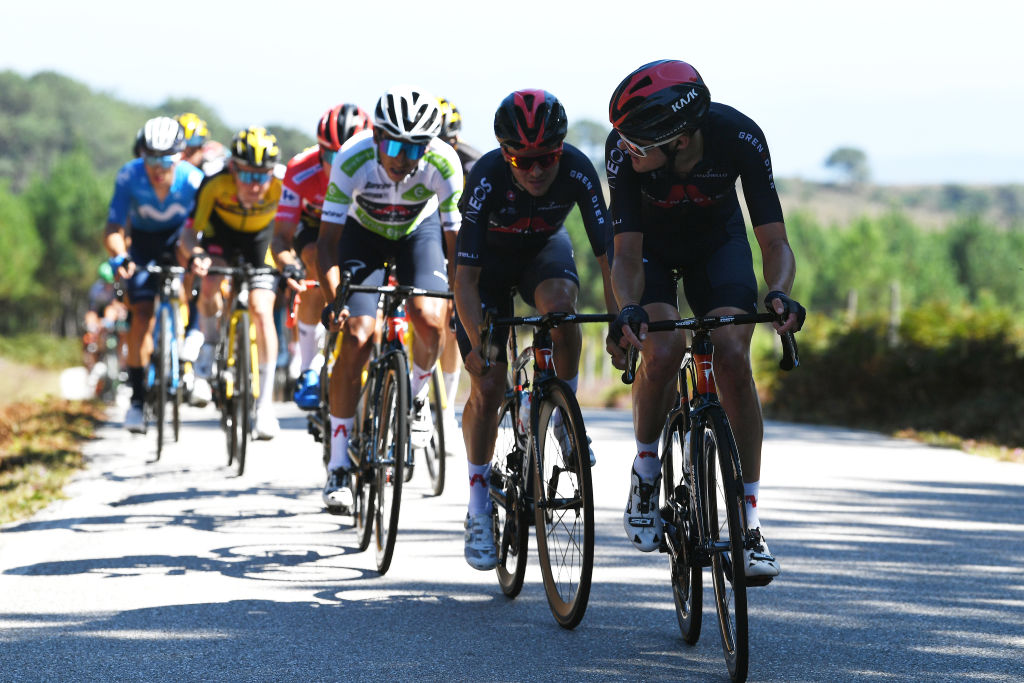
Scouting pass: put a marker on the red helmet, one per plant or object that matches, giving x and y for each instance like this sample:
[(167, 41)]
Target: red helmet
[(659, 101), (340, 123), (530, 119)]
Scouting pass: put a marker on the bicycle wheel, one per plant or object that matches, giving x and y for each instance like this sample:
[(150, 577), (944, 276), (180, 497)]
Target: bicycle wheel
[(325, 413), (162, 361), (507, 491), (177, 374), (391, 442), (243, 391), (723, 508), (564, 504), (687, 575), (434, 453)]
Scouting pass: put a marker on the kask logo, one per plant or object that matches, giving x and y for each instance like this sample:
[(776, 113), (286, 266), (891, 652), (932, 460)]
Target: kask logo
[(684, 100)]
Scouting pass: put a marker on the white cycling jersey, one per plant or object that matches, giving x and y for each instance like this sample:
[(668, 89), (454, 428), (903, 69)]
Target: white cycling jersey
[(359, 187)]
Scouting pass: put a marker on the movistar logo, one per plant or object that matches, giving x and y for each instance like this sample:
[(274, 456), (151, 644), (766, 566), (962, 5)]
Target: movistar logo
[(417, 193), (336, 196)]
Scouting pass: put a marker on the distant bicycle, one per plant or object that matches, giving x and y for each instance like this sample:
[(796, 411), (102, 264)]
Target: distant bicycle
[(163, 376)]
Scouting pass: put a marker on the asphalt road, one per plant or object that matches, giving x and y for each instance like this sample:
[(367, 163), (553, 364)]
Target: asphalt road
[(900, 563)]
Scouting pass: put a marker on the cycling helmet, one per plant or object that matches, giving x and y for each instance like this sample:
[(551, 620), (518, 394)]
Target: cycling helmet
[(340, 123), (451, 119), (659, 101), (139, 148), (161, 136), (255, 147), (530, 119), (195, 129), (407, 113)]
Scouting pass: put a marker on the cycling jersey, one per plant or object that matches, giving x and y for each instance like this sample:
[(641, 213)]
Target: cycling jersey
[(218, 208), (304, 186), (359, 187), (499, 216), (135, 200), (705, 198)]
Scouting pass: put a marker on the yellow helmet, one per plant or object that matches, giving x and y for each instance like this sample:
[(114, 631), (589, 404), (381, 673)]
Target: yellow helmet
[(451, 119), (195, 129), (255, 147)]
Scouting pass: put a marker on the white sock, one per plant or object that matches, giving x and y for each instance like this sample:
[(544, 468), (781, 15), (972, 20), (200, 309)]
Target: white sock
[(307, 345), (479, 496), (419, 380), (647, 463), (751, 490), (266, 387), (341, 427), (451, 387)]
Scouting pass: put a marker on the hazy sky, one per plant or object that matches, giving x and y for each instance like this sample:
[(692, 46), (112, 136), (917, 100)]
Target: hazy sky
[(931, 91)]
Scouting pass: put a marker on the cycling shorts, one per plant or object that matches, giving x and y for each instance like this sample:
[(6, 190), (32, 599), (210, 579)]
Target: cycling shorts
[(157, 247), (251, 246)]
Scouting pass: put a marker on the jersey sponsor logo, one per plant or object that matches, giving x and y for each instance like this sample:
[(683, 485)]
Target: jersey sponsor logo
[(584, 180), (376, 186), (336, 196), (154, 214), (452, 203), (440, 163), (684, 100), (353, 163), (288, 197), (306, 174), (417, 192), (475, 201), (613, 164), (469, 255)]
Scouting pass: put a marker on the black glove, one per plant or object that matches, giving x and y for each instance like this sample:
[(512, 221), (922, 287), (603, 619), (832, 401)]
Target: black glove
[(631, 315), (789, 306), (294, 271)]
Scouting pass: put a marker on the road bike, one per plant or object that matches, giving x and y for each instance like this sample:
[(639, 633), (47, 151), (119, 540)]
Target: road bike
[(236, 376), (380, 447), (541, 470), (704, 514), (164, 374)]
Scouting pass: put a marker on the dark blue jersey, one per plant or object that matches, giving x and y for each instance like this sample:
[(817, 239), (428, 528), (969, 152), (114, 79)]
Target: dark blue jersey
[(704, 199), (498, 216)]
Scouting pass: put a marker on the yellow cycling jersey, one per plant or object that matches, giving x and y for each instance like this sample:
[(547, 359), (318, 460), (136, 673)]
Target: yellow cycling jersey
[(217, 206)]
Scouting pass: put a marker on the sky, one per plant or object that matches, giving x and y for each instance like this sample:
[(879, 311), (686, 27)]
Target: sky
[(932, 92)]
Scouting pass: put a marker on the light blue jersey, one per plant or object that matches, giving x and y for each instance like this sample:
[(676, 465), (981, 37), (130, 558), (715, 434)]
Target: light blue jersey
[(135, 200)]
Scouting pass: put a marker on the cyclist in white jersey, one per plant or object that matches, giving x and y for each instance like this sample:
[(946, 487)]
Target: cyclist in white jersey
[(390, 190)]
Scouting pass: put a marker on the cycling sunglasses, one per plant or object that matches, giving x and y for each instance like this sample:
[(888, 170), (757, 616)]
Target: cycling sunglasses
[(640, 151), (327, 155), (258, 177), (526, 163), (393, 148), (164, 161), (195, 141)]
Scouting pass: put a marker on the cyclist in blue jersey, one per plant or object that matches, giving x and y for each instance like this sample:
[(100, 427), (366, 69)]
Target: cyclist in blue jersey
[(672, 160), (154, 194), (513, 236)]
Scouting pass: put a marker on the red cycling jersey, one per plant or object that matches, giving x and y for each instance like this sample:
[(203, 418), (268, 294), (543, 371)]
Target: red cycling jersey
[(305, 185)]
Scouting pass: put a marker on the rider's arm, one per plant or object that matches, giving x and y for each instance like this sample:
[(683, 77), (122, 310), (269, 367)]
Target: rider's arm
[(327, 258), (449, 192), (281, 242), (779, 265), (467, 302)]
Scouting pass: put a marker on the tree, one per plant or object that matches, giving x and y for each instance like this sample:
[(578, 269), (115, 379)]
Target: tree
[(22, 249), (851, 162)]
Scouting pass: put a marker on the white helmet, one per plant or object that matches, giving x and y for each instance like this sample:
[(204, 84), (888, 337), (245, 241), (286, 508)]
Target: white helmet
[(410, 114), (162, 135)]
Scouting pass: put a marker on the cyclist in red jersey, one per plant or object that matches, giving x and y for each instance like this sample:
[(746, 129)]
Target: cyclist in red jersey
[(297, 227)]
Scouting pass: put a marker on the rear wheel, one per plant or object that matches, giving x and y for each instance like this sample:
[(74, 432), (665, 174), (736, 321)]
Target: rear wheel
[(564, 504), (723, 507), (325, 411), (687, 586), (507, 488), (434, 453), (391, 440)]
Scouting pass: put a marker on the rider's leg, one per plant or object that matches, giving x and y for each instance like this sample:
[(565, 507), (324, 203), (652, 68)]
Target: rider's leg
[(140, 348), (346, 380), (311, 304), (428, 318), (480, 429), (560, 294), (261, 305)]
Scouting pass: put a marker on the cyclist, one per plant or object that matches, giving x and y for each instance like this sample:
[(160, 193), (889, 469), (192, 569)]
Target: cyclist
[(235, 213), (451, 126), (672, 160), (390, 189), (196, 133), (154, 194), (297, 226), (513, 236)]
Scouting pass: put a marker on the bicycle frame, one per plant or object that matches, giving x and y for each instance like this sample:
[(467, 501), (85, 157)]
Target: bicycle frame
[(169, 290)]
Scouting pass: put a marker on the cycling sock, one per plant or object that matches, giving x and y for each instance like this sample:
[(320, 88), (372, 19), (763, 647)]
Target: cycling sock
[(451, 387), (320, 334), (266, 386), (341, 427), (751, 490), (307, 345), (479, 496), (419, 379), (647, 464), (136, 380)]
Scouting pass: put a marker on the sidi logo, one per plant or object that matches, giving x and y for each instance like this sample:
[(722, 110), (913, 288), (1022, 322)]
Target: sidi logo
[(684, 100)]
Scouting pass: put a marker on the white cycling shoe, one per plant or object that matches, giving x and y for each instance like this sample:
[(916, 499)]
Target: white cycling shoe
[(642, 518), (758, 561)]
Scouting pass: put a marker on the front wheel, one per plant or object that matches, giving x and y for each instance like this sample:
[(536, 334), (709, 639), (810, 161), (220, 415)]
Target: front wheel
[(687, 574), (508, 497), (162, 364), (723, 507), (564, 503), (243, 392), (391, 443)]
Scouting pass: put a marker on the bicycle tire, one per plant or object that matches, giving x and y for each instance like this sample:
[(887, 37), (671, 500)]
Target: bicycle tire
[(507, 488), (434, 453), (325, 413), (686, 575), (391, 443), (162, 361), (564, 504), (243, 390), (723, 497)]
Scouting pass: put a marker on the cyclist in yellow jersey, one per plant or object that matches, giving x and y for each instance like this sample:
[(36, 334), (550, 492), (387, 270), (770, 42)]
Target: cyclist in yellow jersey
[(235, 212)]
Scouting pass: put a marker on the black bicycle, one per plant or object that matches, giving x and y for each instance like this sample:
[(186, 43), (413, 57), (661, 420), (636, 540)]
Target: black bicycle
[(541, 469), (380, 447), (703, 511)]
